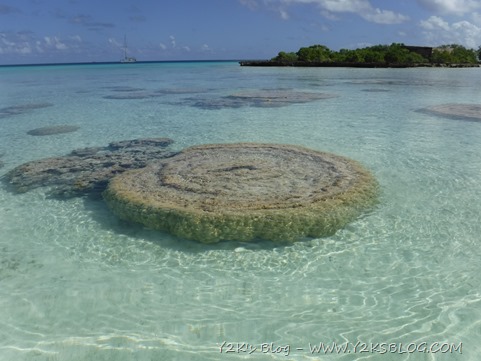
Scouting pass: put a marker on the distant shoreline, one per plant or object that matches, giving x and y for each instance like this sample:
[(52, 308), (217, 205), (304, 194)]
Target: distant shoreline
[(119, 63), (273, 63)]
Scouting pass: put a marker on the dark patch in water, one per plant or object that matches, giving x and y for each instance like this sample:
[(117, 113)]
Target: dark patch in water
[(374, 90), (12, 265), (54, 129), (180, 91), (471, 112), (22, 109), (86, 170), (125, 89), (126, 96), (259, 99)]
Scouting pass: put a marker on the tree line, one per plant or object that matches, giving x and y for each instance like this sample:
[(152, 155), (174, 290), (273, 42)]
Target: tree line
[(396, 53)]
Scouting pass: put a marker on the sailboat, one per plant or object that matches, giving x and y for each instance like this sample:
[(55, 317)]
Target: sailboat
[(127, 59)]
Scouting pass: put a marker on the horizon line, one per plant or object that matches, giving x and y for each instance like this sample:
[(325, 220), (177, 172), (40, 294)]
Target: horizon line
[(118, 62)]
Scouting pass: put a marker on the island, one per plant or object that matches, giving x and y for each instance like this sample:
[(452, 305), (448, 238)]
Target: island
[(396, 55)]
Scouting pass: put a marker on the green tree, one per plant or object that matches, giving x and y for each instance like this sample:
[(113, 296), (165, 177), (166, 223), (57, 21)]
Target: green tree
[(315, 53), (354, 56), (454, 54), (441, 55), (396, 54), (340, 56), (373, 55), (284, 57), (462, 55)]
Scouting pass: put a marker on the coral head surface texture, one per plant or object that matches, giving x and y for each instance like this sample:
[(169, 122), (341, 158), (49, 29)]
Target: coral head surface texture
[(244, 191), (86, 170)]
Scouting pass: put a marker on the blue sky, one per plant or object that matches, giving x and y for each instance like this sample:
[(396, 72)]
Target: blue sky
[(40, 31)]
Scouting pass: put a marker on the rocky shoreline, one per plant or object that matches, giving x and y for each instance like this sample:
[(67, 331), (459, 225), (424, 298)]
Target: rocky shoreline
[(274, 63)]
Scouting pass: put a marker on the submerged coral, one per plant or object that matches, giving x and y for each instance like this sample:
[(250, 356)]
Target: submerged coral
[(54, 129), (129, 95), (244, 191), (375, 90), (87, 170), (456, 111), (261, 99), (21, 109)]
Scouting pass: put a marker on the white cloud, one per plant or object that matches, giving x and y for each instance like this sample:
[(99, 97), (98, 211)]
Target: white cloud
[(7, 42), (162, 46), (435, 23), (172, 41), (384, 17), (458, 7), (438, 31), (329, 15), (76, 38), (341, 6), (251, 4), (14, 43), (470, 33), (25, 49), (330, 7), (28, 43), (115, 43), (54, 42), (476, 18), (88, 22), (38, 46), (284, 15)]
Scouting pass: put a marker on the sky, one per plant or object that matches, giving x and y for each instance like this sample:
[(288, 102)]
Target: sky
[(59, 31)]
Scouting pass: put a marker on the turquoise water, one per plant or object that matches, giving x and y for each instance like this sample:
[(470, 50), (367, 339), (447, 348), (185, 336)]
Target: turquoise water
[(78, 284)]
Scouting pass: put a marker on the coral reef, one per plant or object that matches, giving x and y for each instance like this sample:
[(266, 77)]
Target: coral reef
[(261, 99), (126, 93), (129, 95), (244, 191), (22, 109), (87, 170), (456, 111), (54, 129)]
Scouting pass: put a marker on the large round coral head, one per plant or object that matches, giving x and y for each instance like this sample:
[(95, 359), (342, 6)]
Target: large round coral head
[(244, 191)]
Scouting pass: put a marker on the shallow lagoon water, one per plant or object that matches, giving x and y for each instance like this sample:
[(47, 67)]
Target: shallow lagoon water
[(76, 283)]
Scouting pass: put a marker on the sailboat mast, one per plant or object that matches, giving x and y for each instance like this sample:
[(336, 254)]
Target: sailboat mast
[(127, 59)]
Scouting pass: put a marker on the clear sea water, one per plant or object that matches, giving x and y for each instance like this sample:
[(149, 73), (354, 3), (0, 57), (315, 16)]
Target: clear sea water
[(78, 284)]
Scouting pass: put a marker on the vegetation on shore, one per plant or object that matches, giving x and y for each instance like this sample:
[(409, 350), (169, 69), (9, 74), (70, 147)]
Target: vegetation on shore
[(394, 54)]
